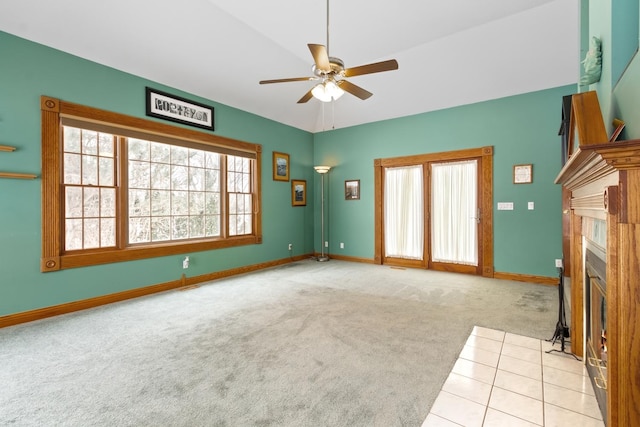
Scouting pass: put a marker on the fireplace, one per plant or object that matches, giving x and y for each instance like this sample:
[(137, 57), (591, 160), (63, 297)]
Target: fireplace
[(596, 323), (603, 218)]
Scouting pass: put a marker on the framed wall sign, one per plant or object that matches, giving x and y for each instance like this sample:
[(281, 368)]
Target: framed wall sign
[(280, 166), (176, 109), (352, 189), (298, 192), (523, 174)]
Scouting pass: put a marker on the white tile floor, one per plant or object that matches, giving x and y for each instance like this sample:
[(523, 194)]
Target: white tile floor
[(502, 379)]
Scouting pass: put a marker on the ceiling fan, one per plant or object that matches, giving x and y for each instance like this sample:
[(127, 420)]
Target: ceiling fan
[(332, 74)]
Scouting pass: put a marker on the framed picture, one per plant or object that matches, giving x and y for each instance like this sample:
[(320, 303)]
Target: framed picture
[(352, 189), (619, 124), (280, 166), (176, 109), (523, 174), (298, 192)]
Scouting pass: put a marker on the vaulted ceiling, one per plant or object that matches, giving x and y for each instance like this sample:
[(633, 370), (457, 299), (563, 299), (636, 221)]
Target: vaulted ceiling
[(450, 52)]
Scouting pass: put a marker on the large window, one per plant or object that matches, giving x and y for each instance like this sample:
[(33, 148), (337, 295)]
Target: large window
[(119, 188)]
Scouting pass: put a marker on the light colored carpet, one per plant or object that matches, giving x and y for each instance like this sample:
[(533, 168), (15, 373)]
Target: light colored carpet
[(305, 344)]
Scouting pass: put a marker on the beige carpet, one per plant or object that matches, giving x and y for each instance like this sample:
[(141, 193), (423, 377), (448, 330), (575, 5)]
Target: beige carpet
[(306, 344)]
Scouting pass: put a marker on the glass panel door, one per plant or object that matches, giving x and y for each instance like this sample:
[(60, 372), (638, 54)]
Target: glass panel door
[(404, 212), (454, 212)]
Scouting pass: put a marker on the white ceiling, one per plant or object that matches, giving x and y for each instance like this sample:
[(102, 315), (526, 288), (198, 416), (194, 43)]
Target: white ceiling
[(450, 52)]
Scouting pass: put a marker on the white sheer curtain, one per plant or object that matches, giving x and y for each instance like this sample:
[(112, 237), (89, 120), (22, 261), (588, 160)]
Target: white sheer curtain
[(404, 212), (454, 231)]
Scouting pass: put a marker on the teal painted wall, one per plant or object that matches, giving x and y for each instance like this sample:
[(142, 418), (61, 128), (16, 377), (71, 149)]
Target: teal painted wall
[(29, 70), (624, 35), (617, 24), (625, 100), (522, 129)]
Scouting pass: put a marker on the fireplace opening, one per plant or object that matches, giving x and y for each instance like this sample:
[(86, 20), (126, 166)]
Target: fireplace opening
[(596, 325)]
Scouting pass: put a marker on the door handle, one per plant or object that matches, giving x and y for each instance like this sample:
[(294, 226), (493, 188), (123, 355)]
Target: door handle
[(477, 217)]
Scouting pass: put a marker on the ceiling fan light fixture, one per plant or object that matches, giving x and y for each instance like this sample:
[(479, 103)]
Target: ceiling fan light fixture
[(333, 89), (334, 75), (327, 91)]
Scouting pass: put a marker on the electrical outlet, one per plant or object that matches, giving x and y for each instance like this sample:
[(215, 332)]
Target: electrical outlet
[(559, 263), (290, 246), (341, 245), (326, 244), (185, 262), (530, 206)]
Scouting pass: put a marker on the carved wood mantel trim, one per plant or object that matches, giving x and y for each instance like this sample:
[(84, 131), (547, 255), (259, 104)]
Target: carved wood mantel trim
[(593, 162), (604, 180)]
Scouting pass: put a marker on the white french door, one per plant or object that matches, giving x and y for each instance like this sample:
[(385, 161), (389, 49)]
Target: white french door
[(430, 214), (454, 212), (404, 212)]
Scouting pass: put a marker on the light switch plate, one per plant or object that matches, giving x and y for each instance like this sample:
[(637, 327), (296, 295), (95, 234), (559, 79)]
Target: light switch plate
[(505, 206), (530, 206)]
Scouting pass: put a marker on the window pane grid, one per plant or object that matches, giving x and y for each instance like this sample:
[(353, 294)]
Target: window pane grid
[(240, 204), (181, 199), (89, 217), (89, 179)]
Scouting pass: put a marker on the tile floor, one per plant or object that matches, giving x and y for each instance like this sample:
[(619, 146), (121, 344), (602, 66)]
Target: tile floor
[(502, 379)]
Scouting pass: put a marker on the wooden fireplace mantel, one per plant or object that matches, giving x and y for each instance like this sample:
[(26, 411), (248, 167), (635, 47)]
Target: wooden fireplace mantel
[(604, 183), (593, 162)]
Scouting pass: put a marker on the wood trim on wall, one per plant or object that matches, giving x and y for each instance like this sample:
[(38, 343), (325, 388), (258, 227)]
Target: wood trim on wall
[(528, 278), (377, 212), (350, 258), (487, 212), (51, 228), (188, 282), (70, 307)]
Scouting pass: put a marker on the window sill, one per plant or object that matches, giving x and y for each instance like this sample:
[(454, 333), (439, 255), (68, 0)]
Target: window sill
[(107, 256)]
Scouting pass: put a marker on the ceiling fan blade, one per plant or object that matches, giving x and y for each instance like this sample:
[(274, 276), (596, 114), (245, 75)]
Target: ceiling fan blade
[(320, 56), (376, 67), (293, 79), (347, 86), (307, 96)]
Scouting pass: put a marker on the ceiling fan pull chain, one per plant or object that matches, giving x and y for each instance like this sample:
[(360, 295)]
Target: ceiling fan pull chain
[(328, 28), (333, 115)]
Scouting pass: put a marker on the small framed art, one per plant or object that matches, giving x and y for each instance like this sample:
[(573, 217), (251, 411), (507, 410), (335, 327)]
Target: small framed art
[(352, 189), (280, 166), (298, 192), (523, 174)]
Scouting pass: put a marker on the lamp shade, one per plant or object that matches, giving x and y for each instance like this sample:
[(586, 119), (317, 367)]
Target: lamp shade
[(322, 169)]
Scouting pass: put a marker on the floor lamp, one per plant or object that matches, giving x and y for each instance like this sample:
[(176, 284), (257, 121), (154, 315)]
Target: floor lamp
[(322, 170)]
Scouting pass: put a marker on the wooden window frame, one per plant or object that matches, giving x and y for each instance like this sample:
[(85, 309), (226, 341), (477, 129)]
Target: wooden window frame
[(54, 258)]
